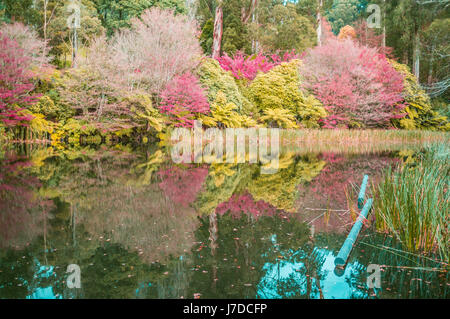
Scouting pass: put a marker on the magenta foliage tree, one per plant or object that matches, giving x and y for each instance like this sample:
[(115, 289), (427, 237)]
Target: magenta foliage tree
[(182, 99), (247, 66), (356, 84), (182, 185), (367, 36), (15, 83), (28, 39), (245, 203)]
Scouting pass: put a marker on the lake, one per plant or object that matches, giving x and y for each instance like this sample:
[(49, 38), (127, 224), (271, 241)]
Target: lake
[(137, 225)]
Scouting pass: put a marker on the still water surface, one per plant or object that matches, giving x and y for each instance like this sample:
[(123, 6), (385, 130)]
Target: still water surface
[(139, 226)]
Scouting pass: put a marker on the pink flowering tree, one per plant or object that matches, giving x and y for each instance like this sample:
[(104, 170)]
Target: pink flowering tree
[(247, 66), (15, 83), (28, 39), (183, 99), (158, 46), (367, 36), (356, 84)]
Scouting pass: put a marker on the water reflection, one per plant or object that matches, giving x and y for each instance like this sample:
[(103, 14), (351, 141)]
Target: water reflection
[(141, 227)]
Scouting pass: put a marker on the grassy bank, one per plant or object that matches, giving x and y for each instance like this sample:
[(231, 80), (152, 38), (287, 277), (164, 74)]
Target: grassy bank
[(358, 141), (412, 202)]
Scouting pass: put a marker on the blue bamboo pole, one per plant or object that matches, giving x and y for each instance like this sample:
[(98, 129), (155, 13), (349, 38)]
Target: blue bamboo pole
[(341, 258), (362, 192)]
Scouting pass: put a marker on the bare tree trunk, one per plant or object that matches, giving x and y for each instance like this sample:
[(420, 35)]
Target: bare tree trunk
[(75, 48), (218, 30), (213, 237), (247, 14), (430, 70), (383, 43), (45, 30), (319, 23), (255, 43), (416, 56)]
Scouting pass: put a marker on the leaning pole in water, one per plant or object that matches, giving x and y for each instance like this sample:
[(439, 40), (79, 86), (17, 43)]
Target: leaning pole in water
[(362, 192), (347, 247)]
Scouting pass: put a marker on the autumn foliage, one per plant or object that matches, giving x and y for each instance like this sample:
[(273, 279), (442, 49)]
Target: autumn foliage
[(15, 83), (357, 85), (182, 185), (247, 66), (347, 32), (183, 99), (159, 46)]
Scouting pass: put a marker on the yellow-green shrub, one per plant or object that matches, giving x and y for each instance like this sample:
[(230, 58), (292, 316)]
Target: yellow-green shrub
[(214, 79), (279, 117), (310, 111), (141, 105), (279, 89), (225, 113), (419, 113)]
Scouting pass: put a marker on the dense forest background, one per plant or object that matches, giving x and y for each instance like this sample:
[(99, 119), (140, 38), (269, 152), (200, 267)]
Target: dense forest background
[(128, 62), (418, 31)]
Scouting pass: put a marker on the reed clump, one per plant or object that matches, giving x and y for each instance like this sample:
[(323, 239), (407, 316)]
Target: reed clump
[(412, 202)]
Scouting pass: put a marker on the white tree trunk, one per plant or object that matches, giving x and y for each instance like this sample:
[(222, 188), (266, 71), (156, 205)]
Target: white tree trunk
[(416, 56), (218, 29), (319, 23), (383, 44)]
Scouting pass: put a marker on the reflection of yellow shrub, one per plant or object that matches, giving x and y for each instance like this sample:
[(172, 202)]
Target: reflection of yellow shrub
[(223, 180), (280, 189)]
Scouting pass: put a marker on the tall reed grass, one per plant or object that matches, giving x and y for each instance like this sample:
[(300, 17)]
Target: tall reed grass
[(357, 141), (412, 202)]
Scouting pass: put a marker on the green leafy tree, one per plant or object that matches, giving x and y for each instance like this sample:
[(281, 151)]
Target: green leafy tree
[(20, 10), (284, 29), (116, 14), (60, 35), (344, 12)]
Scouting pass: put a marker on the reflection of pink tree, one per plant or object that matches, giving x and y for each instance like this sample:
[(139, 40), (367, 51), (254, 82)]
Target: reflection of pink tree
[(329, 187), (182, 185), (245, 203), (18, 223)]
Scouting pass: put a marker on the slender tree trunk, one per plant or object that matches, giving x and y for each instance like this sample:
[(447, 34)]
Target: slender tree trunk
[(255, 44), (383, 39), (416, 56), (75, 47), (218, 30), (319, 23), (213, 237), (430, 70), (45, 30), (247, 14)]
